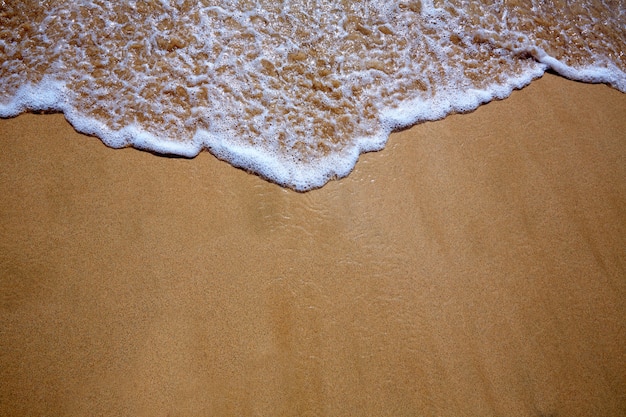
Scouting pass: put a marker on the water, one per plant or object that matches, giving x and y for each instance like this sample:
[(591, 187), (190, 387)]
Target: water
[(293, 91)]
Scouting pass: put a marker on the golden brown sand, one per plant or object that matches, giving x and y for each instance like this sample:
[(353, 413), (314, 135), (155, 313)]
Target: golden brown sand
[(475, 267)]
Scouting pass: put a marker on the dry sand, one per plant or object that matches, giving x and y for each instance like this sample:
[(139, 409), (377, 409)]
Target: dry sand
[(475, 267)]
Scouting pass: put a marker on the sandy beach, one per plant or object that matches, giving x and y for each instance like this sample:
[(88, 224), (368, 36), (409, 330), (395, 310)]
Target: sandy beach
[(474, 267)]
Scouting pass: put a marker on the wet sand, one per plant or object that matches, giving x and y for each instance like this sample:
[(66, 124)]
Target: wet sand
[(475, 267)]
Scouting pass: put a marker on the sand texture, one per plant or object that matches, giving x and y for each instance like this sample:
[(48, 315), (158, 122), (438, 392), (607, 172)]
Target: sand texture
[(475, 267)]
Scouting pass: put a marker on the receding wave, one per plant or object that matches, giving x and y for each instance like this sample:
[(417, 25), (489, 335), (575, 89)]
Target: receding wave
[(291, 90)]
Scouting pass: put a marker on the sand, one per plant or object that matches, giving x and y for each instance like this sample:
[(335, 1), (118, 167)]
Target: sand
[(475, 267)]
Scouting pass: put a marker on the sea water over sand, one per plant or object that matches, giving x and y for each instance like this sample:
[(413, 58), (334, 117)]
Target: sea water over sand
[(291, 90)]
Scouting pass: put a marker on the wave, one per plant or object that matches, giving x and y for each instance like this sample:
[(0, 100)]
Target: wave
[(293, 91)]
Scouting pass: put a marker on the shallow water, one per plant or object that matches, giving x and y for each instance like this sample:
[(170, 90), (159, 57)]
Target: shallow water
[(294, 90)]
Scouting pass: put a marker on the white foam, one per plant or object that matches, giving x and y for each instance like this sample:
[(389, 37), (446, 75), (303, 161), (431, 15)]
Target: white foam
[(48, 95), (590, 74), (251, 142)]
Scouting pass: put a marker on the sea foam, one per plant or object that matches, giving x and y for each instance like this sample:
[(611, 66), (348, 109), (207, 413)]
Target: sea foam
[(293, 91)]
